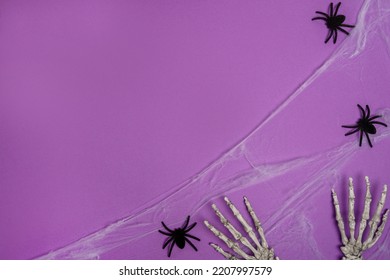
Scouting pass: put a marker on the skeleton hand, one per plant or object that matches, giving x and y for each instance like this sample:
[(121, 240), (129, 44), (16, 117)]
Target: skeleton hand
[(261, 252), (353, 248)]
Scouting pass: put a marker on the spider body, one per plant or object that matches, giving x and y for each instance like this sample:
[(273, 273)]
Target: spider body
[(366, 125), (333, 22), (178, 236)]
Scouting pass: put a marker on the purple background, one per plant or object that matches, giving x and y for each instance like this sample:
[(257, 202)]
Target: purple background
[(117, 115)]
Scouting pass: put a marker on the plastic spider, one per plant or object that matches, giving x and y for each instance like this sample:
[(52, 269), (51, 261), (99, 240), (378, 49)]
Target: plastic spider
[(365, 125), (333, 22), (179, 236)]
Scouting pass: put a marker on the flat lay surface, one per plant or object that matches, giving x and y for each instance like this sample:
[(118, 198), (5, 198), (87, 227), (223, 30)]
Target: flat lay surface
[(116, 116)]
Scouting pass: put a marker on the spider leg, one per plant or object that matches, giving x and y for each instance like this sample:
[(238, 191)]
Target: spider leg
[(167, 228), (342, 30), (186, 223), (368, 111), (361, 138), (191, 236), (368, 138), (330, 33), (381, 123), (190, 227), (335, 37), (322, 13), (352, 132), (347, 25), (170, 249), (191, 244), (331, 9), (350, 126), (373, 118), (315, 18), (165, 233), (337, 9), (362, 110), (169, 240)]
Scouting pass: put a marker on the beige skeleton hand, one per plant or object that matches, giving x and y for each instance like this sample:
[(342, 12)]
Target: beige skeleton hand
[(261, 252), (353, 248)]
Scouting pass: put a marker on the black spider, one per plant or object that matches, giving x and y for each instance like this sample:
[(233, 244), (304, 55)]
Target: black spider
[(179, 236), (333, 22), (365, 125)]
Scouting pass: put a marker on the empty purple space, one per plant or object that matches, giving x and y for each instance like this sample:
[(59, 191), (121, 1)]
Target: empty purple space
[(117, 115)]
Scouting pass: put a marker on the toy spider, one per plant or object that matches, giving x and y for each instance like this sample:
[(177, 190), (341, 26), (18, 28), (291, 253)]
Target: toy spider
[(179, 236), (333, 22), (365, 125)]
